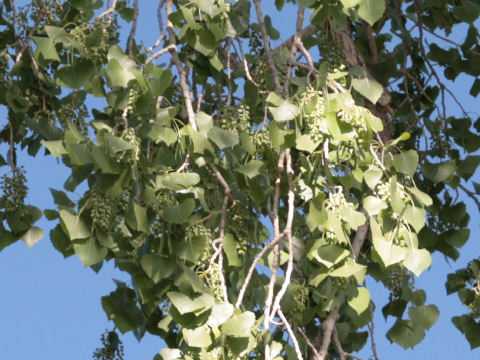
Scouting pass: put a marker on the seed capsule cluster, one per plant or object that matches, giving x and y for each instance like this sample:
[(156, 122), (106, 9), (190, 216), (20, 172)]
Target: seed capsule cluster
[(112, 347), (236, 118), (14, 191), (383, 191), (239, 223), (101, 209), (399, 277), (213, 276), (130, 157), (355, 116), (313, 105)]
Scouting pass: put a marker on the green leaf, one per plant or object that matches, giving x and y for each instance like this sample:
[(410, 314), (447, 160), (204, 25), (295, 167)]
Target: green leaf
[(424, 316), (60, 198), (360, 301), (423, 198), (170, 354), (354, 218), (158, 267), (223, 138), (415, 217), (230, 248), (331, 255), (349, 3), (119, 75), (371, 11), (470, 328), (120, 306), (56, 147), (372, 176), (89, 251), (374, 122), (304, 142), (76, 228), (179, 213), (77, 75), (371, 89), (178, 181), (440, 172), (374, 205), (46, 47), (220, 313), (239, 325), (198, 337), (405, 333), (185, 304), (251, 169), (32, 236), (350, 268), (406, 162), (417, 260), (284, 112), (162, 133), (117, 144)]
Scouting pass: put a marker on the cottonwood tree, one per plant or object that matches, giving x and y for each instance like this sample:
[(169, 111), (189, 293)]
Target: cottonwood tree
[(248, 188)]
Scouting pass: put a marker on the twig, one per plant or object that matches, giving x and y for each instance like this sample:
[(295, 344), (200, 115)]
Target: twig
[(293, 50), (316, 355), (184, 165), (328, 324), (470, 194), (109, 12), (343, 354), (288, 232), (180, 69), (291, 334), (255, 262), (266, 48), (131, 38), (159, 53), (26, 41), (371, 42), (371, 328)]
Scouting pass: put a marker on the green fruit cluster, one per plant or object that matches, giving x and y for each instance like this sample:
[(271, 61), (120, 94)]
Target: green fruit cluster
[(239, 222), (398, 279), (101, 209), (130, 157), (236, 118), (14, 191), (112, 347), (313, 105)]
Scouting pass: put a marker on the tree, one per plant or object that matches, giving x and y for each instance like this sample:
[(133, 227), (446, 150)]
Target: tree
[(249, 189)]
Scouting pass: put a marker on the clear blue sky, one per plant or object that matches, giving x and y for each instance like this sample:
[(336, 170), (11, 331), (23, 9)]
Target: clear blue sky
[(50, 307)]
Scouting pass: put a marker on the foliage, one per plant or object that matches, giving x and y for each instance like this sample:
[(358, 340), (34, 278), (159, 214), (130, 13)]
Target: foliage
[(249, 190)]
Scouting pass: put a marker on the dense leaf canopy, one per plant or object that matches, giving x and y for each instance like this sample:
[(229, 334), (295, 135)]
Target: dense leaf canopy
[(249, 189)]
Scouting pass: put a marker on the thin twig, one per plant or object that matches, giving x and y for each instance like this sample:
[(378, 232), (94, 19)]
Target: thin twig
[(470, 194), (288, 232), (371, 328), (316, 355), (26, 42), (109, 11), (291, 334), (255, 262), (133, 30), (266, 48), (159, 53)]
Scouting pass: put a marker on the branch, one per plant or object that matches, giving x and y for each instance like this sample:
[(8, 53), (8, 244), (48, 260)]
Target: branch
[(470, 194), (328, 324), (26, 41), (291, 334), (371, 328), (266, 48), (180, 69), (341, 352), (255, 262), (159, 53), (288, 233), (109, 12), (131, 37)]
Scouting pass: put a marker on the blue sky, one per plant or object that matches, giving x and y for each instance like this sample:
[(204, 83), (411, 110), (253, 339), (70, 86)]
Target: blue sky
[(50, 307)]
